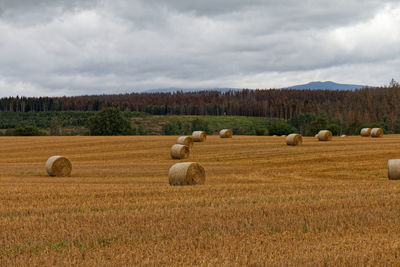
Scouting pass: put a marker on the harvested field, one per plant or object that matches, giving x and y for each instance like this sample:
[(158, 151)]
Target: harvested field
[(321, 203)]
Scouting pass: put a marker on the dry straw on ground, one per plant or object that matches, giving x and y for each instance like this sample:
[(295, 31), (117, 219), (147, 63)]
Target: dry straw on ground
[(186, 173), (179, 151), (294, 139), (185, 140), (376, 132), (199, 136), (394, 169), (58, 166), (302, 206), (325, 135), (226, 133), (365, 132)]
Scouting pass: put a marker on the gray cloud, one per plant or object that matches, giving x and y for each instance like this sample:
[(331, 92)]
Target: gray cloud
[(89, 47)]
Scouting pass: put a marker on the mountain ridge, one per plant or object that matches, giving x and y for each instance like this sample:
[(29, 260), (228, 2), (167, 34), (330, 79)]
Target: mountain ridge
[(316, 85), (188, 90), (327, 85)]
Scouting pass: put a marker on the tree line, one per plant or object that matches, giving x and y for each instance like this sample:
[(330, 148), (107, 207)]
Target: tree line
[(112, 121), (363, 106)]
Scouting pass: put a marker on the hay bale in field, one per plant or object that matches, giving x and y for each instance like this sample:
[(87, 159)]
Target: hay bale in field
[(365, 132), (58, 166), (284, 135), (186, 173), (199, 136), (394, 169), (185, 140), (325, 135), (376, 132), (294, 139), (316, 135), (343, 135), (225, 133), (179, 151)]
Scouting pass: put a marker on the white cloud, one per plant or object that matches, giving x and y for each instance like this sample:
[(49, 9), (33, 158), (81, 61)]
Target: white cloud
[(15, 88), (378, 38), (90, 47)]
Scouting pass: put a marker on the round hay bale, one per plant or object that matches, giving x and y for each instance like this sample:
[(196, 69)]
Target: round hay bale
[(394, 169), (294, 139), (316, 135), (185, 140), (199, 136), (274, 135), (58, 166), (186, 173), (325, 135), (179, 151), (284, 135), (343, 135), (225, 133), (365, 132), (376, 132)]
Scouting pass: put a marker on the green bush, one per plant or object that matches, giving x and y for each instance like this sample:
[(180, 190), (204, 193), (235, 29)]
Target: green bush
[(354, 127), (243, 130), (109, 121), (179, 127), (170, 129), (28, 130), (334, 128), (281, 127), (320, 123), (260, 131), (302, 122), (200, 125)]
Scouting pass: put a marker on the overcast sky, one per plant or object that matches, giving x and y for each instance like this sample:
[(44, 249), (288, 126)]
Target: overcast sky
[(54, 47)]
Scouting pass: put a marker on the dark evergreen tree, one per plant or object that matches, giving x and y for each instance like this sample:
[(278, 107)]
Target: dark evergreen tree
[(109, 121)]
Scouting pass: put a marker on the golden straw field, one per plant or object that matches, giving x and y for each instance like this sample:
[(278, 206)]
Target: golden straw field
[(263, 203)]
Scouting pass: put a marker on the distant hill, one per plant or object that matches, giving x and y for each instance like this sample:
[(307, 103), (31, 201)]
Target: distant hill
[(328, 85), (187, 90)]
